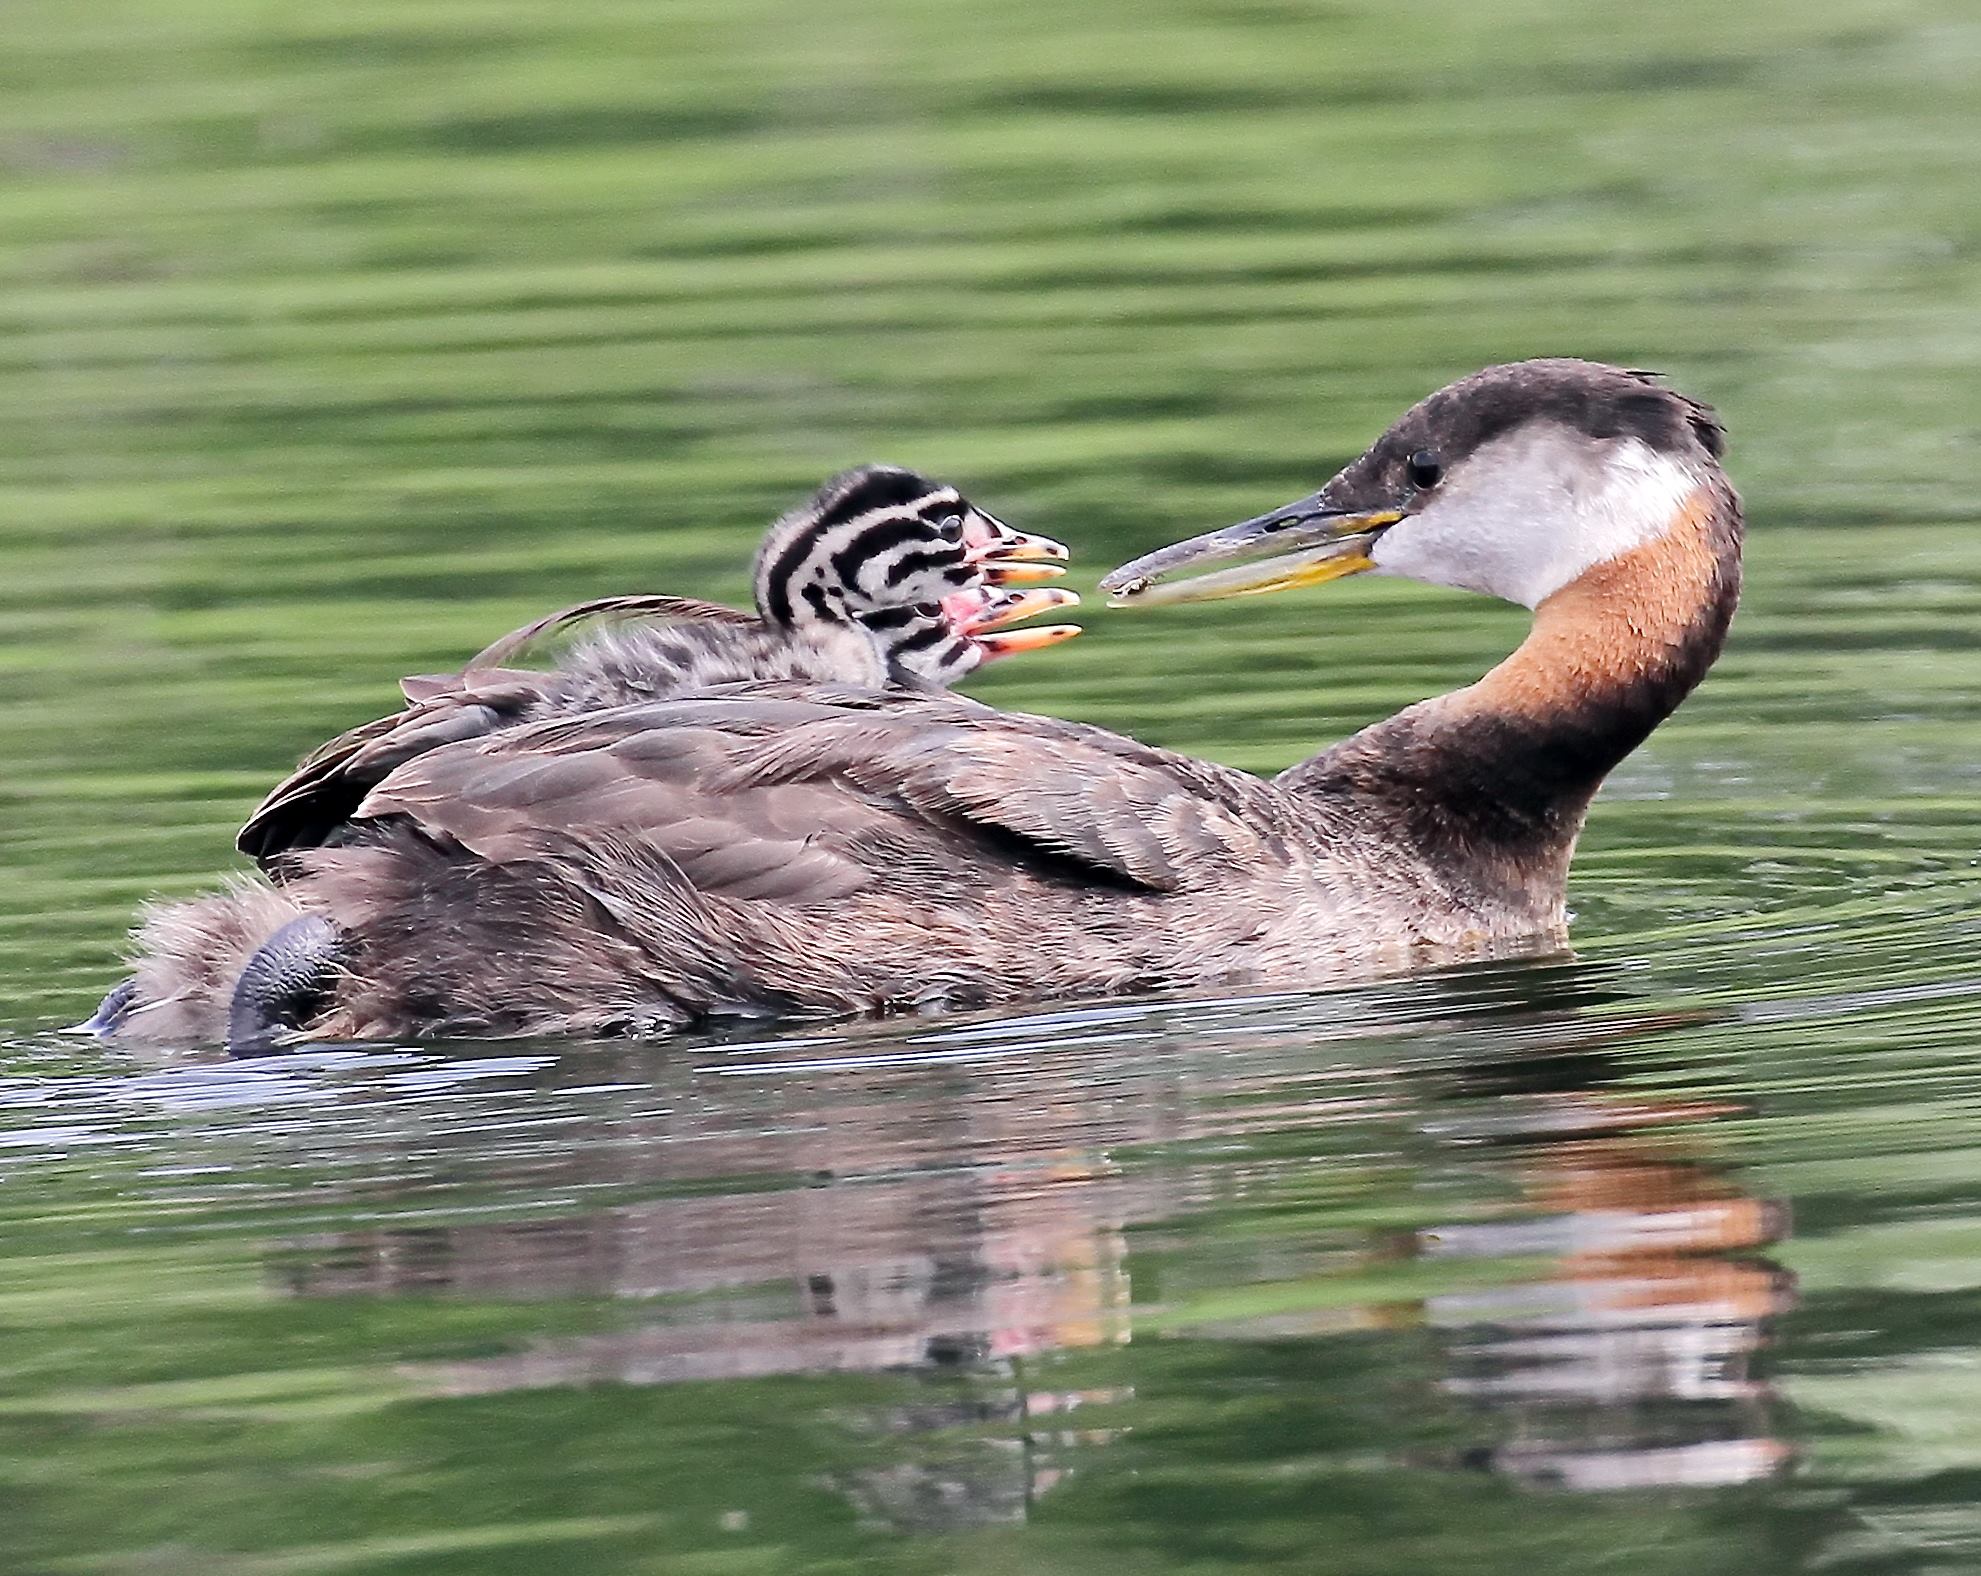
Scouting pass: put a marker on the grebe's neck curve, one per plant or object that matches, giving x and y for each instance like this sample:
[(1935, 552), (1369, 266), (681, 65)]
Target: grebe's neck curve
[(1491, 783)]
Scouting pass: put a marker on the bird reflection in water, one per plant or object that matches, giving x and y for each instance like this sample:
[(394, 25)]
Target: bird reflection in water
[(1632, 1361), (964, 1230), (932, 1234)]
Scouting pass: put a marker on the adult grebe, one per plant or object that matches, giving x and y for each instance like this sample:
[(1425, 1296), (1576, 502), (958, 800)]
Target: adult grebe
[(795, 850), (882, 578)]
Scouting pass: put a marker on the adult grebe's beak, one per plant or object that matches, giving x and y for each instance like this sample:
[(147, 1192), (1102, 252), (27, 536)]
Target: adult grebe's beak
[(1309, 543)]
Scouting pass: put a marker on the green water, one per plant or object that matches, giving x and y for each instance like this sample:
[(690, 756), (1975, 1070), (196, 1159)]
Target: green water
[(334, 340)]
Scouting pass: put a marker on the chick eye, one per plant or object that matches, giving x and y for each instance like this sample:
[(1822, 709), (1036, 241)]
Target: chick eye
[(1424, 469)]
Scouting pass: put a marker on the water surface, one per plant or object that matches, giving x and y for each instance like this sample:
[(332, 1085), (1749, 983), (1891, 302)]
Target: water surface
[(334, 341)]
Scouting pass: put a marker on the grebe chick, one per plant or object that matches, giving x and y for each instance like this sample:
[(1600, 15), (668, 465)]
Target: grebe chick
[(784, 850), (882, 578)]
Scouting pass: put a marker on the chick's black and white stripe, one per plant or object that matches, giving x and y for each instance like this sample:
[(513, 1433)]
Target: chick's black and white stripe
[(919, 647), (877, 537)]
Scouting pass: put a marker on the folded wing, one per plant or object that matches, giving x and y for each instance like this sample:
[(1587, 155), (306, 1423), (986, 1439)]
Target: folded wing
[(797, 794), (315, 802)]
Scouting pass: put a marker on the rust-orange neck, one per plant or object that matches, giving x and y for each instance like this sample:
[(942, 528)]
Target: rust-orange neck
[(1612, 629), (1499, 775)]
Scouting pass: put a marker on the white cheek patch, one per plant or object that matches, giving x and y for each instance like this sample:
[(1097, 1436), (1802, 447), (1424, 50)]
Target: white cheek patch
[(1530, 512)]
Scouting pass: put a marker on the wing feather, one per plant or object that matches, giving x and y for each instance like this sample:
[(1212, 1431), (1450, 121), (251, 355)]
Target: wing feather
[(488, 695), (795, 794)]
